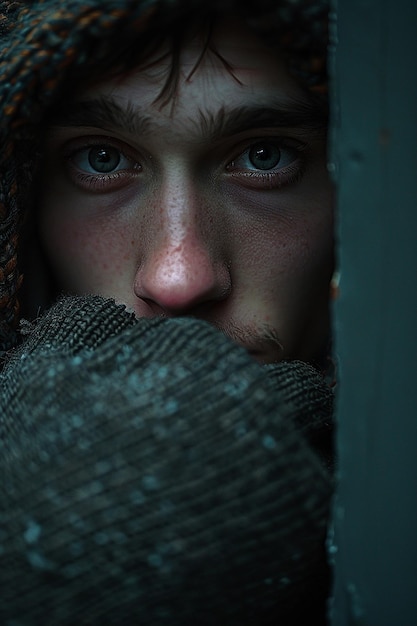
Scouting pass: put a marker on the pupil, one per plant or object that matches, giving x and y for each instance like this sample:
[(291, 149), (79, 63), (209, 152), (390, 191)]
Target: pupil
[(264, 156), (104, 159)]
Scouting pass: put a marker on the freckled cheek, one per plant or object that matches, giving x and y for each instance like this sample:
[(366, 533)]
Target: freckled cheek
[(307, 257), (288, 262), (88, 256)]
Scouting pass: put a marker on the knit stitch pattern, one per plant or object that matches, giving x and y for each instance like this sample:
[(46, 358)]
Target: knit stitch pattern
[(176, 489)]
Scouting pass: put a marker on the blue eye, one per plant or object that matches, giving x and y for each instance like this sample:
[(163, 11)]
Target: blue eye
[(269, 163), (264, 156), (101, 159)]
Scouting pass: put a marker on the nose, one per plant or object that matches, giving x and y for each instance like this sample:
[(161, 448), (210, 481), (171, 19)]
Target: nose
[(182, 267)]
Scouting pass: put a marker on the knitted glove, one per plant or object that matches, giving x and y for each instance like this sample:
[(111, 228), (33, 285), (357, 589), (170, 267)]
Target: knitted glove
[(152, 474)]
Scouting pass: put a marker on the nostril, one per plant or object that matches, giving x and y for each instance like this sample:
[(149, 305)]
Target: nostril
[(149, 308), (178, 282)]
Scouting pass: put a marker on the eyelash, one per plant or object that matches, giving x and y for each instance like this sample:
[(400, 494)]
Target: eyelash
[(273, 178), (100, 182)]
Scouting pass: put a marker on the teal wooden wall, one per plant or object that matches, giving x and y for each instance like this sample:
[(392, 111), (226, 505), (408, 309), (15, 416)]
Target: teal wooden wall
[(374, 158)]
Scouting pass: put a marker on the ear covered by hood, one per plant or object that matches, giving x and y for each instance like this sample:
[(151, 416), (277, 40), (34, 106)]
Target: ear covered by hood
[(43, 42)]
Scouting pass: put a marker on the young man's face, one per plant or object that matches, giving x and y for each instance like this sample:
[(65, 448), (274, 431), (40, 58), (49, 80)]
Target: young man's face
[(217, 205)]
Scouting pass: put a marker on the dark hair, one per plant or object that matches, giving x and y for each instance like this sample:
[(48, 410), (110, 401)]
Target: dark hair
[(297, 29), (159, 42)]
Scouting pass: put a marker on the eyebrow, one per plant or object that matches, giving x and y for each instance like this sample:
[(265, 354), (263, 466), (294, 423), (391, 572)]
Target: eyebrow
[(291, 114), (107, 114), (103, 112)]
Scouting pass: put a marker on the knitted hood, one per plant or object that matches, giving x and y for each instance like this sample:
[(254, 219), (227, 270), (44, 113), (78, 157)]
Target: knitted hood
[(46, 43)]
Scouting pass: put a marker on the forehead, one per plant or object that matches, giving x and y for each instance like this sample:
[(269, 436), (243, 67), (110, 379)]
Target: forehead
[(235, 66)]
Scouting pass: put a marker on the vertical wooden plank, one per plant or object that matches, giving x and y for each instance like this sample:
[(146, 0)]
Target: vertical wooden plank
[(374, 540)]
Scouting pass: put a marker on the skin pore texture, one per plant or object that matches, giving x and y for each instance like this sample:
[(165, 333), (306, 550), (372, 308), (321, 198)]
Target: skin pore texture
[(217, 205)]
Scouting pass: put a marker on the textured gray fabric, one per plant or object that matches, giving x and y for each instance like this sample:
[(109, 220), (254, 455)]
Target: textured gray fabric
[(152, 473)]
